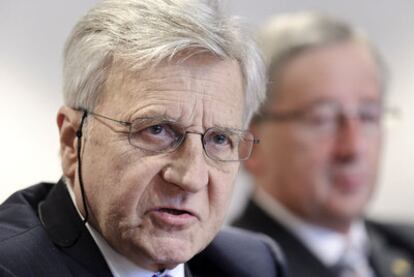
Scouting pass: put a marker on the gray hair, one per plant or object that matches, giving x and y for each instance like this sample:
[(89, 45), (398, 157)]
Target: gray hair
[(286, 36), (143, 33)]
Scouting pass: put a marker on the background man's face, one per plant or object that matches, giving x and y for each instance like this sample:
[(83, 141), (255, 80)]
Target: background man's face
[(323, 174), (161, 209)]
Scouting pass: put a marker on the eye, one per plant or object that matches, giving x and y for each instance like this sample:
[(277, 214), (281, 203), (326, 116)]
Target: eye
[(162, 131), (370, 116), (220, 139), (156, 129), (320, 118), (223, 144), (154, 136)]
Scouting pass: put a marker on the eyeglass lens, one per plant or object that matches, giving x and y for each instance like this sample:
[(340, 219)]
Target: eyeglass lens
[(164, 136)]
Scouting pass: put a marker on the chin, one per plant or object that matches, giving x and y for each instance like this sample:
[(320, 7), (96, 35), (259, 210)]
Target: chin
[(170, 252), (345, 216)]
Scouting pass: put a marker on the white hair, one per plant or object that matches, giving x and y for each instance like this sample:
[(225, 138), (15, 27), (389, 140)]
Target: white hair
[(286, 36), (143, 33)]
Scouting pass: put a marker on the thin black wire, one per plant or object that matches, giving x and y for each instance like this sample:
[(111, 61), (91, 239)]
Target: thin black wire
[(79, 135)]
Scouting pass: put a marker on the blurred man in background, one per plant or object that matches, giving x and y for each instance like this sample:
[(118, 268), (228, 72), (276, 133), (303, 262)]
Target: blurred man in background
[(316, 167)]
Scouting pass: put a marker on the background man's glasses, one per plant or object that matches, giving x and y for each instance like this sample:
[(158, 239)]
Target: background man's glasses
[(327, 117), (156, 135)]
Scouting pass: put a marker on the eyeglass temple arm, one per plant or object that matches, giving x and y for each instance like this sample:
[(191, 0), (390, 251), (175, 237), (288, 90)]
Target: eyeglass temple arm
[(126, 123)]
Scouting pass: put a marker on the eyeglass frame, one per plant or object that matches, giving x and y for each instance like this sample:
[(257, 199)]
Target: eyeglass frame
[(129, 124), (300, 114)]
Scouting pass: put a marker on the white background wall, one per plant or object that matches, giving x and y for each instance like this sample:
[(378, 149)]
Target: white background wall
[(32, 34)]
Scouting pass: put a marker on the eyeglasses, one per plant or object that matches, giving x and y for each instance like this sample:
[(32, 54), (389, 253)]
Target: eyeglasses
[(327, 117), (156, 135)]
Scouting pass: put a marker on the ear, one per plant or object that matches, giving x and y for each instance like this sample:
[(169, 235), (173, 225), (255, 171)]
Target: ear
[(68, 123), (253, 164)]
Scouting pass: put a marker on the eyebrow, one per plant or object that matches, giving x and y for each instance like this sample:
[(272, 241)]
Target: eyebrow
[(166, 118), (155, 117), (162, 116)]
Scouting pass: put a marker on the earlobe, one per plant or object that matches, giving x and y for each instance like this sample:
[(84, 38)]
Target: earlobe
[(68, 123)]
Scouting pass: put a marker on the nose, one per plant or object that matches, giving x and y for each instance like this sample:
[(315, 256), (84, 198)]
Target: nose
[(349, 140), (188, 168)]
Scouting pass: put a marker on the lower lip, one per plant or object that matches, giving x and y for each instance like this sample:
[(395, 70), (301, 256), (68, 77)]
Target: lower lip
[(166, 219), (349, 184)]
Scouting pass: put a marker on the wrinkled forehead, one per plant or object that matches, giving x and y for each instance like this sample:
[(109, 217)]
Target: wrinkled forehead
[(184, 65), (218, 82), (343, 72)]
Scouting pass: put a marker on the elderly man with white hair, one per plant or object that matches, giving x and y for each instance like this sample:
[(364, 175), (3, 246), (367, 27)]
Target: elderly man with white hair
[(157, 96)]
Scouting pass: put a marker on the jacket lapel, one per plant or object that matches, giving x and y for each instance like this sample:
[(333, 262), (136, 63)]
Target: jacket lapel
[(387, 260), (66, 229), (300, 261), (187, 271)]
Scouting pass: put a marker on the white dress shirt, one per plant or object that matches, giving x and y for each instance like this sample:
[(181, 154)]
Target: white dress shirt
[(326, 244), (119, 265)]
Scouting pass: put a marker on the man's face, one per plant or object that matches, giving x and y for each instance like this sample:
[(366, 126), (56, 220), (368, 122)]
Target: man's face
[(161, 209), (323, 167)]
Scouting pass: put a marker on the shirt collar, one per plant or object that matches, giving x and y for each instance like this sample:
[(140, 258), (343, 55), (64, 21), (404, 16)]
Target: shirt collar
[(119, 265), (328, 245)]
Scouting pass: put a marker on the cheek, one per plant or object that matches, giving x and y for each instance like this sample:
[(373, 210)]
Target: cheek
[(220, 192), (136, 184), (304, 167), (370, 161), (293, 155), (375, 151), (120, 192), (311, 157)]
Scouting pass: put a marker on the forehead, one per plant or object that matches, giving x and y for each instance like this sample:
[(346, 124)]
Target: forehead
[(343, 72), (183, 88)]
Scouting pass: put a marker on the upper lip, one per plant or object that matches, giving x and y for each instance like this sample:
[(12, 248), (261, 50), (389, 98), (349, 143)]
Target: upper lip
[(348, 172)]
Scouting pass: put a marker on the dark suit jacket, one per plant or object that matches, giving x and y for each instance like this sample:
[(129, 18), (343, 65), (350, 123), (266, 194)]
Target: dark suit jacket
[(41, 234), (392, 247)]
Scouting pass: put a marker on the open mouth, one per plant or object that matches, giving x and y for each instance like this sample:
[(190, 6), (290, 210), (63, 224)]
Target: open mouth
[(174, 211), (170, 217)]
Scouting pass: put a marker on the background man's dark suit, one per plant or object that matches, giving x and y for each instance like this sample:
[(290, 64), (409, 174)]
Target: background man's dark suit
[(41, 234), (392, 246)]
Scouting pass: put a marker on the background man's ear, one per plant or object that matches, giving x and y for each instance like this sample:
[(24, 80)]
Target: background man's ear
[(68, 122)]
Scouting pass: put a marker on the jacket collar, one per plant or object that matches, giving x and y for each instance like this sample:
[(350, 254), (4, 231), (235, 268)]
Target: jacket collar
[(67, 231)]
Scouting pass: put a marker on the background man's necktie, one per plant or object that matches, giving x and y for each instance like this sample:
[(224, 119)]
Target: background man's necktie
[(353, 264)]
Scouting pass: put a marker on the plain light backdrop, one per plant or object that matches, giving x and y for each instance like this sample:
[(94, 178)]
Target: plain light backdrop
[(32, 34)]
